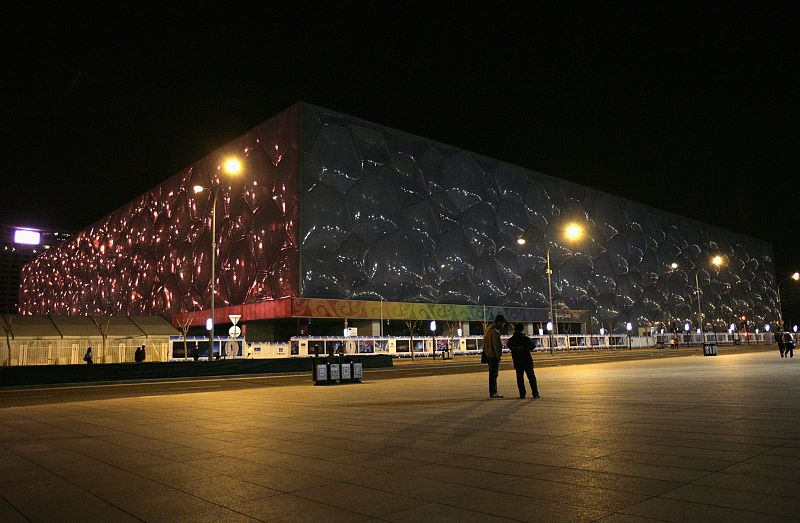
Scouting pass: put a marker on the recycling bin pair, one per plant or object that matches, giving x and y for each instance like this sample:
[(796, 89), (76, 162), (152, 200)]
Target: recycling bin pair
[(332, 371)]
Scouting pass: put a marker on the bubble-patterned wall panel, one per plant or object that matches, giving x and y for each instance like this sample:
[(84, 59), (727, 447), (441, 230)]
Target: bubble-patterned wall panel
[(153, 256), (386, 215)]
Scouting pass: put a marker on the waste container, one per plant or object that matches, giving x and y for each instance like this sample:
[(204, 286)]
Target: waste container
[(321, 372), (709, 349)]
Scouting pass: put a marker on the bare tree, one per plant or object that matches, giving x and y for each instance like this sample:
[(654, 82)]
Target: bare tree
[(103, 325), (184, 322), (411, 325), (451, 332), (7, 329)]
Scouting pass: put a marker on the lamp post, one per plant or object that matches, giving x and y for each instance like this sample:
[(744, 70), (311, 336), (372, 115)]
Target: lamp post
[(795, 277), (629, 327), (232, 167), (572, 232), (717, 262), (433, 335)]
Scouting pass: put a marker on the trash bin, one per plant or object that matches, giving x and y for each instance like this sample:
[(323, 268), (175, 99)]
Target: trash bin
[(323, 371), (709, 349), (345, 371)]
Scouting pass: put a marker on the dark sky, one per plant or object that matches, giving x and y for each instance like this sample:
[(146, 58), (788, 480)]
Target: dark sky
[(692, 109)]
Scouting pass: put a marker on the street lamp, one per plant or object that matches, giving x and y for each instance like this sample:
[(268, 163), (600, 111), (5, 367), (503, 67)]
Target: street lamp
[(629, 327), (717, 262), (572, 232), (232, 167), (795, 277)]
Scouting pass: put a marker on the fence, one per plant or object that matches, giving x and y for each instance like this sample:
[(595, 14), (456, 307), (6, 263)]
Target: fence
[(70, 351)]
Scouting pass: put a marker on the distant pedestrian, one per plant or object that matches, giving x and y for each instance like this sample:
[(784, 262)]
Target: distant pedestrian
[(88, 356), (779, 341), (143, 355), (492, 352), (521, 347), (788, 345), (137, 356)]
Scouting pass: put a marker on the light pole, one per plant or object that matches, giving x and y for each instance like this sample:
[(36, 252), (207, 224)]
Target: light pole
[(795, 277), (232, 167), (717, 262), (572, 232), (433, 335), (629, 327)]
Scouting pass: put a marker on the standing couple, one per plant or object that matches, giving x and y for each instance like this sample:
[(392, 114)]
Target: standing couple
[(520, 346)]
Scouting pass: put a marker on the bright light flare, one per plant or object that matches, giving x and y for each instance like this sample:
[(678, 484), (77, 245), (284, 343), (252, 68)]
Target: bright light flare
[(717, 260), (198, 189), (27, 237), (233, 166), (573, 231), (521, 241), (796, 276)]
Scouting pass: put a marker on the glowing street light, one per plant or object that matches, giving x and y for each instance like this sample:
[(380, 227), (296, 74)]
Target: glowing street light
[(233, 167), (572, 232), (717, 261), (795, 276)]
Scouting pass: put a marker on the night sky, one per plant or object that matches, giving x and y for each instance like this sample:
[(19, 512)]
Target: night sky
[(690, 109)]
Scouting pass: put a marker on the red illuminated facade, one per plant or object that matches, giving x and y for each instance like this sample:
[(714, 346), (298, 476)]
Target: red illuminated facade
[(153, 256)]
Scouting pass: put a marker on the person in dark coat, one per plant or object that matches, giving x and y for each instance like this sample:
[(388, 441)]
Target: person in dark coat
[(521, 347), (779, 341), (137, 356), (492, 352), (788, 345), (88, 357)]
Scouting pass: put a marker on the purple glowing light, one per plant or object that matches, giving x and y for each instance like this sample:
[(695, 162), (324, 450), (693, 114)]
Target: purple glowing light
[(27, 237)]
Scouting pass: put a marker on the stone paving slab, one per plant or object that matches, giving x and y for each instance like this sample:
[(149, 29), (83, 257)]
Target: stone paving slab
[(669, 439)]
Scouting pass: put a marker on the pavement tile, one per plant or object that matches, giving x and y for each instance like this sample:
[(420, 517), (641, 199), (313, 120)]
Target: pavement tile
[(591, 478), (413, 487), (786, 505), (288, 507), (88, 510), (644, 470), (593, 497), (23, 494), (500, 466), (664, 509), (667, 460), (9, 514), (357, 498), (522, 508), (445, 513)]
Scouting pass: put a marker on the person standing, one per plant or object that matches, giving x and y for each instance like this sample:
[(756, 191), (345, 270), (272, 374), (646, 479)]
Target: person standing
[(521, 347), (788, 344), (88, 356), (779, 341), (492, 352)]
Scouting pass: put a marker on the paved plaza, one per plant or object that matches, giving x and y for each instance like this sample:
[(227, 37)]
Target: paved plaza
[(678, 439)]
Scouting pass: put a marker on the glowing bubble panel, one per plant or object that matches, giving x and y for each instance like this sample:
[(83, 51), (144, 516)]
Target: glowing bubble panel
[(153, 255), (391, 216)]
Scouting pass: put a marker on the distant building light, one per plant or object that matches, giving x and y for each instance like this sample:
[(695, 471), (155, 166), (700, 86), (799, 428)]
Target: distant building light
[(27, 237)]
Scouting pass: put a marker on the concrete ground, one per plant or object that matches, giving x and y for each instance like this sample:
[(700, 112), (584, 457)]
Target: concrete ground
[(677, 439)]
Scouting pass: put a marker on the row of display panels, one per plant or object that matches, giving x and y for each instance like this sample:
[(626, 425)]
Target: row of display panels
[(196, 347)]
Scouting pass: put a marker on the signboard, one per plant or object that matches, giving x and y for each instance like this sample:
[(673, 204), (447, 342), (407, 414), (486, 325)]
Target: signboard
[(345, 371), (334, 371), (358, 370), (235, 331), (321, 373)]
